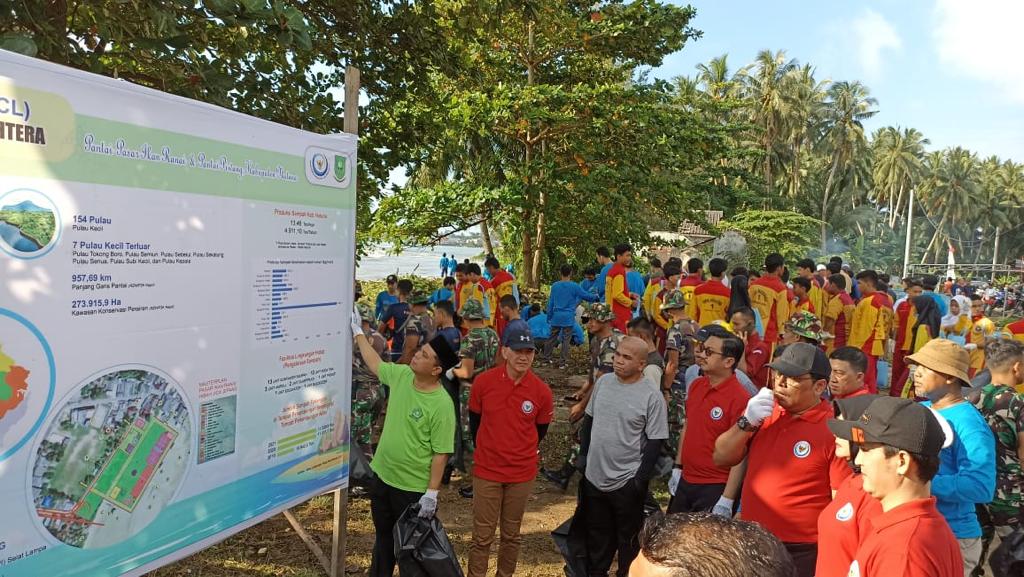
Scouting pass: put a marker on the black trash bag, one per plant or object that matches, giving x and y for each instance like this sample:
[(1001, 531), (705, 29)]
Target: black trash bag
[(422, 548), (1008, 558), (572, 547), (359, 472)]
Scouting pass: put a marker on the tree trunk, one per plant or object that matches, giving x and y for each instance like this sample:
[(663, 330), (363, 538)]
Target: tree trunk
[(824, 203), (485, 233), (896, 209), (935, 237), (538, 249)]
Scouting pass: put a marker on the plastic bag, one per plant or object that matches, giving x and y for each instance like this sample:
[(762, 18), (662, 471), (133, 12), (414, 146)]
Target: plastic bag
[(1008, 559), (360, 473), (572, 547), (422, 548)]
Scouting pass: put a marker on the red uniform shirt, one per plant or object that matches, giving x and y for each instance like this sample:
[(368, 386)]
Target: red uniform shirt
[(843, 525), (841, 329), (757, 354), (791, 470), (616, 294), (912, 540), (710, 411), (770, 296), (506, 443)]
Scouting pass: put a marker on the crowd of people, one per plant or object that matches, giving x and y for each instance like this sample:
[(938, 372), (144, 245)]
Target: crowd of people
[(864, 428)]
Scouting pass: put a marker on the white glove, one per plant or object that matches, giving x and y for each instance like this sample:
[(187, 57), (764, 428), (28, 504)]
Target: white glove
[(673, 481), (759, 407), (971, 347), (723, 508), (357, 322), (428, 504), (450, 373)]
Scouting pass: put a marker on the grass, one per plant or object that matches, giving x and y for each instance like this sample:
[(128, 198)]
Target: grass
[(38, 226), (273, 548), (85, 447)]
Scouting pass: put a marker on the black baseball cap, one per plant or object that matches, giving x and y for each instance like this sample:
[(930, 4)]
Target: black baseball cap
[(896, 422), (517, 337), (800, 359), (391, 279)]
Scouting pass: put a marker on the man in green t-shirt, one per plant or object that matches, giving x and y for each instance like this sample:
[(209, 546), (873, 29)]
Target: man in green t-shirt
[(418, 436)]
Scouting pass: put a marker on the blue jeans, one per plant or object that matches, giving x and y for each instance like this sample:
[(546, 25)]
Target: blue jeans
[(559, 335)]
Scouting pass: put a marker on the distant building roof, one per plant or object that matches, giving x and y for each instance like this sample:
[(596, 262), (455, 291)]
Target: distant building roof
[(692, 232)]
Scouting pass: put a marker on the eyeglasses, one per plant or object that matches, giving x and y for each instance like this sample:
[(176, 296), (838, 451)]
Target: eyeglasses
[(699, 348)]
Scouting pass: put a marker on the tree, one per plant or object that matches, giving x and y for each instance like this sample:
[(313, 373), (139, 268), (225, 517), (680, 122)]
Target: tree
[(898, 167), (788, 233), (847, 106), (546, 127), (765, 86)]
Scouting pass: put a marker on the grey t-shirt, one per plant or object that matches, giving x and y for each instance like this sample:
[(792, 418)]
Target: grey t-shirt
[(625, 417)]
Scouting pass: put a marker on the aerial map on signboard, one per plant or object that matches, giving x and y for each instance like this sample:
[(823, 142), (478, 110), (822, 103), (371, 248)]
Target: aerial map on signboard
[(112, 458)]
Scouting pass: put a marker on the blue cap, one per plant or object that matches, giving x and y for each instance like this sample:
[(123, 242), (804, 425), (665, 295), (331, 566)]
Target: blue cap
[(517, 336)]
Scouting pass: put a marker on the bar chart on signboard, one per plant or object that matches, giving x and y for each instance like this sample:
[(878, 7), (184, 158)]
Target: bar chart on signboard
[(294, 301)]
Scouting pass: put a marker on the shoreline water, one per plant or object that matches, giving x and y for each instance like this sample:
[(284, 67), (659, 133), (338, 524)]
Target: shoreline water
[(378, 263)]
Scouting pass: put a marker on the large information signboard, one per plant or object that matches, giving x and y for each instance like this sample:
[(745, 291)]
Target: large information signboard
[(175, 287)]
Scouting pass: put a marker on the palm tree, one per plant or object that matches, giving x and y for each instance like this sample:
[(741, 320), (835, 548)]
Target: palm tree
[(716, 81), (847, 107), (898, 166), (764, 85), (805, 97), (952, 193)]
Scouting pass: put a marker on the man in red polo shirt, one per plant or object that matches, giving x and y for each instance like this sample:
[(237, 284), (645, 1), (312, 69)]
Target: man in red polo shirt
[(900, 442), (756, 352), (616, 292), (792, 467), (769, 295), (714, 402), (509, 412), (848, 367)]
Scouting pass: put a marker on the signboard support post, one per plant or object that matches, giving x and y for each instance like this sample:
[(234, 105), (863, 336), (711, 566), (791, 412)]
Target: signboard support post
[(335, 567)]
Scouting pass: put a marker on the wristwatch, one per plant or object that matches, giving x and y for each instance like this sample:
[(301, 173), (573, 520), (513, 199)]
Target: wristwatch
[(745, 425)]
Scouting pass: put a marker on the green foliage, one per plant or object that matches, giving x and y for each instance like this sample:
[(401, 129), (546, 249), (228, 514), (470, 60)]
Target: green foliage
[(790, 234)]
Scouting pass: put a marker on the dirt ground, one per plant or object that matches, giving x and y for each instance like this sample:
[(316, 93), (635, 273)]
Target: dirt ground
[(272, 548)]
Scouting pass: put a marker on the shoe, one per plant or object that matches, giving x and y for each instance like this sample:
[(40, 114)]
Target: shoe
[(562, 366), (555, 477), (466, 491)]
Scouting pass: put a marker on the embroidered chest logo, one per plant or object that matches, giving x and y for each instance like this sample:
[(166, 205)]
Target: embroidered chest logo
[(801, 449), (527, 407), (716, 413), (845, 513), (416, 414)]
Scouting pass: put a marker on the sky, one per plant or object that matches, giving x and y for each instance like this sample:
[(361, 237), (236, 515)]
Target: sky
[(953, 69)]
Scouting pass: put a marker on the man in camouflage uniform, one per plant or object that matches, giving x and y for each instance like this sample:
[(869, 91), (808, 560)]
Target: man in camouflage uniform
[(804, 327), (679, 355), (478, 351), (367, 400), (1003, 409), (604, 340), (418, 328)]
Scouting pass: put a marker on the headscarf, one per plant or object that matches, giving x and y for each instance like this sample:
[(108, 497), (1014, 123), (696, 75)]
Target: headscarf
[(927, 315), (952, 320)]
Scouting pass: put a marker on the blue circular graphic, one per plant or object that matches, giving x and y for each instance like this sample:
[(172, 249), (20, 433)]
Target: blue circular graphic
[(53, 381), (29, 255), (319, 165)]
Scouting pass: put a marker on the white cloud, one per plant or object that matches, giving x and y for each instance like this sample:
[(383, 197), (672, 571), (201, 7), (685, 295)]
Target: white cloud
[(982, 39), (874, 35)]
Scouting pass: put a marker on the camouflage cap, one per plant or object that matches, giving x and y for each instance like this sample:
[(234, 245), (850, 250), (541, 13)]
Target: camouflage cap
[(674, 300), (419, 298), (365, 312), (472, 310), (600, 312), (805, 324)]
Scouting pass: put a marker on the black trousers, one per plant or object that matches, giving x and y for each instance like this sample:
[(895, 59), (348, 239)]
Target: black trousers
[(613, 524), (386, 505), (694, 497), (805, 557)]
